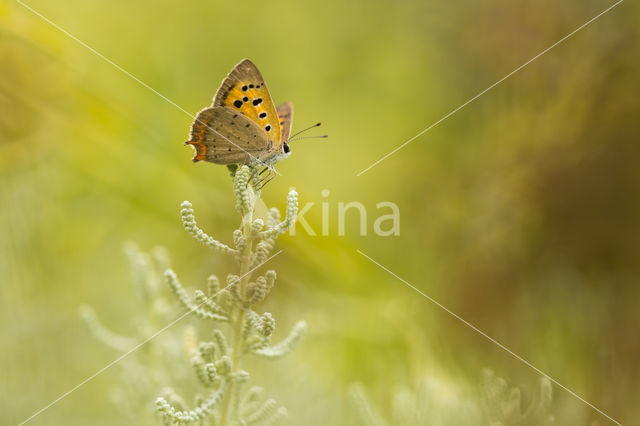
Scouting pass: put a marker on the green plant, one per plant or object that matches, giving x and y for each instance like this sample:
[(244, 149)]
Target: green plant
[(497, 404), (237, 329), (503, 405), (428, 403), (144, 370), (217, 363)]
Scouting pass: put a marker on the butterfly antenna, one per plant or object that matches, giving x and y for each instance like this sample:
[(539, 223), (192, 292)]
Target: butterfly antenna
[(308, 137), (304, 130)]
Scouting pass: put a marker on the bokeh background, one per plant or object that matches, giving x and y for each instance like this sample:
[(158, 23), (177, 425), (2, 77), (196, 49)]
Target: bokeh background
[(520, 213)]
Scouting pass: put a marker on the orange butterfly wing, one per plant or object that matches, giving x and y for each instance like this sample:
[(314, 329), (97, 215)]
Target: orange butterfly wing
[(285, 116), (244, 90)]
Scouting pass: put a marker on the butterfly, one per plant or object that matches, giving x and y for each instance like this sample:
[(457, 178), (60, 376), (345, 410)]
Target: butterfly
[(243, 126)]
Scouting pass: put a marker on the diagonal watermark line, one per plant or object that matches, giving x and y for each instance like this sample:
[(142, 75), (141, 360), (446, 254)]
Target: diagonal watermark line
[(489, 88), (491, 339), (138, 346), (124, 71)]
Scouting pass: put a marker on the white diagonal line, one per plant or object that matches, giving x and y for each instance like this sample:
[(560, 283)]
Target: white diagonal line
[(490, 87), (491, 339), (71, 36), (136, 347)]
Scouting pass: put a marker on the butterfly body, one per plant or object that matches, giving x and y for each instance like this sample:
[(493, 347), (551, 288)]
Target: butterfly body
[(242, 126)]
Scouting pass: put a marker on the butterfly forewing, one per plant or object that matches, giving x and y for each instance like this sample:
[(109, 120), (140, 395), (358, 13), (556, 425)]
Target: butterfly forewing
[(224, 136), (285, 117), (244, 91)]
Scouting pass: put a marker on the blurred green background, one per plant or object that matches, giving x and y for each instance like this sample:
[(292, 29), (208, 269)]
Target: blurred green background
[(520, 213)]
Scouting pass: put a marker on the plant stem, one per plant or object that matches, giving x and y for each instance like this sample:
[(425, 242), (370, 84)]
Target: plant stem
[(245, 264)]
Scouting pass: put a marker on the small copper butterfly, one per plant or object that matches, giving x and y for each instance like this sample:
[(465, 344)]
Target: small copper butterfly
[(242, 126)]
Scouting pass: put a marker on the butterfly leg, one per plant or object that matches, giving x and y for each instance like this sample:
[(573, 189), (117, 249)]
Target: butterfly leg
[(255, 174), (258, 182), (267, 178)]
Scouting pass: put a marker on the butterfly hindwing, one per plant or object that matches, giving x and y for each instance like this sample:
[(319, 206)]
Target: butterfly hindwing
[(224, 136), (285, 117), (244, 91)]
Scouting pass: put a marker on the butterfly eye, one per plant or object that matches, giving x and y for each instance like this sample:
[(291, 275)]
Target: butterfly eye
[(286, 148)]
